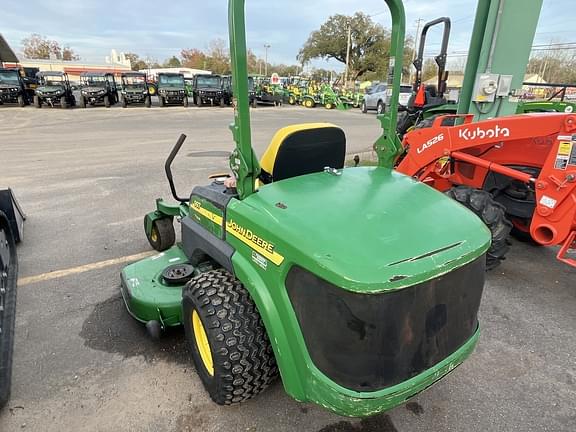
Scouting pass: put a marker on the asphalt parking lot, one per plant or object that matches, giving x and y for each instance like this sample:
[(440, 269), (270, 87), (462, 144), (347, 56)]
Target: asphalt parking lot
[(86, 178)]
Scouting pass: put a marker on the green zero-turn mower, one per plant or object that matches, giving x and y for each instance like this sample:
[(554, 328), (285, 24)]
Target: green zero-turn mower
[(360, 286)]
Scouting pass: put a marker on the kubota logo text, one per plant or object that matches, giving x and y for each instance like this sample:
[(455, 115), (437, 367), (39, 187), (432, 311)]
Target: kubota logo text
[(430, 143), (478, 133)]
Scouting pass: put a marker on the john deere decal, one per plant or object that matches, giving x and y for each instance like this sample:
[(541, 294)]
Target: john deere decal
[(254, 241)]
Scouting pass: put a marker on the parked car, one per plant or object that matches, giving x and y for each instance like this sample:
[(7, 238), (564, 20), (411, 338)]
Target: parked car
[(375, 99), (405, 94)]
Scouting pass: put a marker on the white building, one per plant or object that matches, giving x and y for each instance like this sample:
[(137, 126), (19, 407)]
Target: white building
[(187, 72)]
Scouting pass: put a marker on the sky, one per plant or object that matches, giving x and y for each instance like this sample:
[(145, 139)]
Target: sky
[(157, 30)]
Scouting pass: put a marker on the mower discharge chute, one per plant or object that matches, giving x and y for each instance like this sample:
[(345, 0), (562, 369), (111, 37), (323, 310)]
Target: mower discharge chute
[(357, 310)]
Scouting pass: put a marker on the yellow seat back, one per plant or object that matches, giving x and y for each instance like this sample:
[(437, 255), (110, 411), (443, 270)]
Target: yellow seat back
[(303, 149)]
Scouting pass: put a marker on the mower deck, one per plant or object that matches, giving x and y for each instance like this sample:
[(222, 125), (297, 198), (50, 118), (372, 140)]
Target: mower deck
[(148, 297)]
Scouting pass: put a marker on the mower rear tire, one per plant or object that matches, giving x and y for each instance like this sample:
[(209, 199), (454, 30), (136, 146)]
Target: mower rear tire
[(492, 214), (162, 235), (227, 338)]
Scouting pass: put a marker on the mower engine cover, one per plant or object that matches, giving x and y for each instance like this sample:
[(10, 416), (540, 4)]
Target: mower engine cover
[(369, 290)]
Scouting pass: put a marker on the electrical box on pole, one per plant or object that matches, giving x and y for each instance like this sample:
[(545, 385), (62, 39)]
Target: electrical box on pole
[(502, 39)]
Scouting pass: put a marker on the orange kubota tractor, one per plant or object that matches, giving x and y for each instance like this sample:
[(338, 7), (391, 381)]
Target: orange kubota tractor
[(516, 172), (527, 164)]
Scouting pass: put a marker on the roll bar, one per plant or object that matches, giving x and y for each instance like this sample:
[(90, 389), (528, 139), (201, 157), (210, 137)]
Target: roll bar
[(440, 58), (243, 161)]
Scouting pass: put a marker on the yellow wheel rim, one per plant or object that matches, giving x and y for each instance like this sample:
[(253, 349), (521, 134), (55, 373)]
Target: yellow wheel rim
[(154, 235), (202, 343)]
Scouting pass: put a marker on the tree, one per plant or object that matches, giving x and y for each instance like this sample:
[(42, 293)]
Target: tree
[(172, 62), (218, 57), (370, 43), (136, 63), (193, 58), (39, 47)]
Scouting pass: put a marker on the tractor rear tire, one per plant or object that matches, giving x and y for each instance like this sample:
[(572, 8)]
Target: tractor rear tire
[(8, 277), (163, 235), (225, 333), (492, 214)]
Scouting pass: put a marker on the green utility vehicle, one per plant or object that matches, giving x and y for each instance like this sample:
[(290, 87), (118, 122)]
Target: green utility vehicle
[(54, 89), (98, 88), (207, 88), (227, 91), (172, 89), (12, 89), (135, 89), (360, 286)]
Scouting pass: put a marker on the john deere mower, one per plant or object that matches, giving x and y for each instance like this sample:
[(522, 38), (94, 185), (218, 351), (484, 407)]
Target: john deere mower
[(360, 286)]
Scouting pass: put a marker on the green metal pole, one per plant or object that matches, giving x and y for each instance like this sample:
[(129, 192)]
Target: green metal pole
[(474, 51)]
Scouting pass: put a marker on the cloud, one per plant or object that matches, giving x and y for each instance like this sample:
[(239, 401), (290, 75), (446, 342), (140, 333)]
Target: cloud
[(160, 30)]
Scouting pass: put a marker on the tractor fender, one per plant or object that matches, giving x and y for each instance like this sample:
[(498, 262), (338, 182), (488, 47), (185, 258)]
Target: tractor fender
[(284, 334)]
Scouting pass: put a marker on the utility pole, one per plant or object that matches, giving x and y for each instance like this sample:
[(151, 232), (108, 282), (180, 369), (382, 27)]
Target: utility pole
[(348, 54), (266, 47), (419, 22)]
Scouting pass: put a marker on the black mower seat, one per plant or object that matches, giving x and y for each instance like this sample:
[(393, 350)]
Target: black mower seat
[(303, 149)]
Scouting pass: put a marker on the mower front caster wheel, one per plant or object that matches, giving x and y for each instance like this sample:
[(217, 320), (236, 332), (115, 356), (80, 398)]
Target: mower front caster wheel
[(154, 329), (162, 235), (227, 338)]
